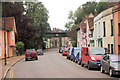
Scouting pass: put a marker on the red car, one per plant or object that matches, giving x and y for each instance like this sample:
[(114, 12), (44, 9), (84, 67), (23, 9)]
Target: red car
[(65, 52), (30, 53), (92, 56)]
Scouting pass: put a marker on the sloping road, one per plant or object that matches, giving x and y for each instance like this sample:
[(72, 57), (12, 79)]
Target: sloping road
[(52, 65)]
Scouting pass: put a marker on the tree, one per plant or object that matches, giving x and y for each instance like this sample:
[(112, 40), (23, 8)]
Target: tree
[(102, 6), (39, 13), (76, 17)]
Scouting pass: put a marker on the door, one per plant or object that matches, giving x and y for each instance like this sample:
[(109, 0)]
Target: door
[(87, 56)]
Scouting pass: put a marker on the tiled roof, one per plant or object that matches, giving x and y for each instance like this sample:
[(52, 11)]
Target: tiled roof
[(9, 23)]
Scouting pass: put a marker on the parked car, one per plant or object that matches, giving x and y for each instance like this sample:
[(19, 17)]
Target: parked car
[(64, 53), (69, 52), (39, 52), (78, 57), (92, 56), (30, 54), (75, 51), (111, 64), (62, 48)]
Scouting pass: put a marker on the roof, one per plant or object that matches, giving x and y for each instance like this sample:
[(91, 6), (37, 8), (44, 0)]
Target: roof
[(8, 22), (90, 18)]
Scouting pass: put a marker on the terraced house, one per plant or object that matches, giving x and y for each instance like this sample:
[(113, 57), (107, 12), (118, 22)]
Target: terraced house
[(116, 16), (9, 24), (103, 30)]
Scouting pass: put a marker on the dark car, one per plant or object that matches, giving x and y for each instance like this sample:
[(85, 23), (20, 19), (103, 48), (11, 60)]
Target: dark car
[(39, 52), (74, 53), (62, 48), (78, 57), (111, 64), (30, 54)]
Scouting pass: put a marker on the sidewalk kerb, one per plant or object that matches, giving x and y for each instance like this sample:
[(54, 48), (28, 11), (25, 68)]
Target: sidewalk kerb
[(8, 69)]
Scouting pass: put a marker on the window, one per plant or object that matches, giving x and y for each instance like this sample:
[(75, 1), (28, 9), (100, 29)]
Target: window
[(111, 27), (119, 29), (111, 48), (105, 58), (12, 35), (104, 29)]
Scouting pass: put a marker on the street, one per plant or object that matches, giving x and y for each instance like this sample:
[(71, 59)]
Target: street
[(52, 65)]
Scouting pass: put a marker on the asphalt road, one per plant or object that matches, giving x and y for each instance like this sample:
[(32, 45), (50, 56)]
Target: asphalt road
[(52, 65)]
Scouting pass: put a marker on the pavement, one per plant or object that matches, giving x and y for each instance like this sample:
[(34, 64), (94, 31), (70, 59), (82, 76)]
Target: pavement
[(53, 65), (10, 63)]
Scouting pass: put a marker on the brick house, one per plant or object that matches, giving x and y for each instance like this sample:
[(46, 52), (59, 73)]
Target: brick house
[(10, 37), (116, 15)]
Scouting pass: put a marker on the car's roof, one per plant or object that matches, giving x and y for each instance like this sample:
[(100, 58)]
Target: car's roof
[(113, 54), (93, 47), (30, 49), (77, 48)]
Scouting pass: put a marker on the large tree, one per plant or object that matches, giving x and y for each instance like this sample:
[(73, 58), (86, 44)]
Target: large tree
[(30, 26), (39, 13)]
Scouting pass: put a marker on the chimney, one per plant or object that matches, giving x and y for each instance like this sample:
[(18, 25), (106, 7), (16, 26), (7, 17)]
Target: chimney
[(95, 12)]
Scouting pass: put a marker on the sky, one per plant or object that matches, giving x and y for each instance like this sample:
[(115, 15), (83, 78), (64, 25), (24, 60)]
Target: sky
[(59, 10)]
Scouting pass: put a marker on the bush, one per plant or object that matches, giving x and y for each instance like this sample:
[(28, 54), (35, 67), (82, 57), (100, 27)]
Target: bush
[(20, 47), (74, 43)]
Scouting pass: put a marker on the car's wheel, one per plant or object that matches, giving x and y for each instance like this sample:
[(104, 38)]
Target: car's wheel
[(26, 59), (110, 72), (36, 58), (76, 61), (67, 57), (88, 66), (101, 70), (59, 51), (73, 60), (79, 62), (82, 65)]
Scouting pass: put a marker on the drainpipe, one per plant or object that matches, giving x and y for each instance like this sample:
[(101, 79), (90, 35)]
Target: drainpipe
[(113, 28), (5, 38)]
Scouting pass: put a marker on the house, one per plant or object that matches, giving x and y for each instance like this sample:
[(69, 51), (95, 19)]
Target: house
[(83, 31), (116, 15), (103, 30), (9, 29)]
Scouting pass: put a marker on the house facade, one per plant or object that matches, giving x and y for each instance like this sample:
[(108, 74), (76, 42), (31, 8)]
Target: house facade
[(116, 15), (103, 30), (83, 31), (10, 37)]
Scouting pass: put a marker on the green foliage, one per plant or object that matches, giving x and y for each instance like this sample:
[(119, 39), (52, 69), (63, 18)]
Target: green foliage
[(20, 47), (74, 43), (39, 13), (102, 6), (76, 17)]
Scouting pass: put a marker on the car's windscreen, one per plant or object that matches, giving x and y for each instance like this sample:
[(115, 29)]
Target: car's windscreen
[(97, 51), (115, 58), (76, 51), (30, 51)]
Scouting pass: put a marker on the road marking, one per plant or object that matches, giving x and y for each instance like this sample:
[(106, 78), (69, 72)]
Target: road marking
[(11, 75)]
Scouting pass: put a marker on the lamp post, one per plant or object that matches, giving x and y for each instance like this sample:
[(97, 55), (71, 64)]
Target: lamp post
[(5, 37)]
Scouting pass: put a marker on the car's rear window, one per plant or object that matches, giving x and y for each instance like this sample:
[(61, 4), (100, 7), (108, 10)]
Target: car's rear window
[(29, 51), (115, 58)]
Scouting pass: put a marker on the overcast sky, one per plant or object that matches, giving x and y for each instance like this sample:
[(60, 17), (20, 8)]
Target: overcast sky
[(59, 10)]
